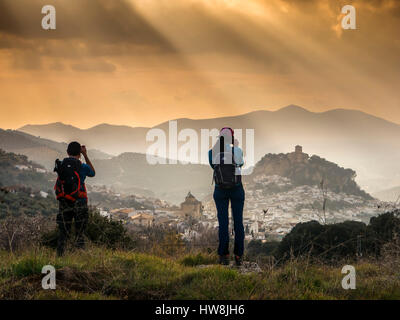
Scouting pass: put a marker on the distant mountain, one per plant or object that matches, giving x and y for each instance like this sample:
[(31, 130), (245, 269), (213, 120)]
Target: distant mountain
[(39, 150), (351, 138), (131, 173), (110, 138)]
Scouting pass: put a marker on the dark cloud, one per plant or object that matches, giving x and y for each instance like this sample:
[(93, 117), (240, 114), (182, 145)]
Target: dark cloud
[(391, 7), (101, 20), (107, 28)]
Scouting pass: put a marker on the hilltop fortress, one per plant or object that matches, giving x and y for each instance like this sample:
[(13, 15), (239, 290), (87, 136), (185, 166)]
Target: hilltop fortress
[(302, 169)]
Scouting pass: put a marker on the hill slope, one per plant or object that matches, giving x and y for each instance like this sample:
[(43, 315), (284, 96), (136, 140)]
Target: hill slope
[(130, 172), (303, 170), (25, 187), (39, 150), (16, 170)]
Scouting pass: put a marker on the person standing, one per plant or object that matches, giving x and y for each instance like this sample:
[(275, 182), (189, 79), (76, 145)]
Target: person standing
[(72, 196), (226, 159)]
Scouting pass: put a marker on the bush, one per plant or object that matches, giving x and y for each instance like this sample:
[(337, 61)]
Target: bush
[(327, 242), (100, 230), (340, 240), (383, 229)]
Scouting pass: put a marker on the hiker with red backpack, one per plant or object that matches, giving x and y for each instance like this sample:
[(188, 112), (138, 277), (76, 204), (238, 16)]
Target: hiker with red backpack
[(226, 158), (71, 193)]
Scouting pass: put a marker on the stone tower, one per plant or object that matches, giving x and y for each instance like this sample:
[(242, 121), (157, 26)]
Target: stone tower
[(191, 206)]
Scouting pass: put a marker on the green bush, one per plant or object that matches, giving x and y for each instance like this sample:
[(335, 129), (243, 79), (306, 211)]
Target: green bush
[(100, 230), (340, 240)]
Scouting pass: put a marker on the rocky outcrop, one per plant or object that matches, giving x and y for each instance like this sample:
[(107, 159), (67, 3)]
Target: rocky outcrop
[(304, 170)]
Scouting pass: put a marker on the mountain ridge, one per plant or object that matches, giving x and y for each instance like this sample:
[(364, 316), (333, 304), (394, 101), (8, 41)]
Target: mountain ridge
[(40, 150), (290, 107), (351, 138)]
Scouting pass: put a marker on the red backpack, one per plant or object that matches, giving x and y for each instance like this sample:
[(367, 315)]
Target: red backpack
[(68, 185)]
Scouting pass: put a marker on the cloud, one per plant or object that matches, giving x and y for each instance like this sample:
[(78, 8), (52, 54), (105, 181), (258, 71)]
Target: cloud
[(27, 60), (94, 66), (199, 57), (87, 28), (101, 21)]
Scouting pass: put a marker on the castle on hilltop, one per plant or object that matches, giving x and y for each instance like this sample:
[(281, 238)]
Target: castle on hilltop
[(303, 170), (298, 155)]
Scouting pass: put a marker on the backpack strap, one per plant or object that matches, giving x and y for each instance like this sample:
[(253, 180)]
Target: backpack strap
[(221, 148), (233, 153)]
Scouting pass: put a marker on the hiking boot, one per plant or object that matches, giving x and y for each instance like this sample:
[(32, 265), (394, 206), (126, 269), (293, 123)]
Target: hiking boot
[(238, 261), (224, 260)]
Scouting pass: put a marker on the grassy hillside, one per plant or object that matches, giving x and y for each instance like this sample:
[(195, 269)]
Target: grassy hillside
[(103, 274)]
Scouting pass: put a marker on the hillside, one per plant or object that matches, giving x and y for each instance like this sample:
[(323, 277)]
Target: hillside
[(351, 138), (26, 189), (303, 170), (17, 170), (39, 150), (131, 173)]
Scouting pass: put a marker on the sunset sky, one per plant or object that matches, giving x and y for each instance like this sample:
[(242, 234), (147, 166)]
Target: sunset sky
[(142, 62)]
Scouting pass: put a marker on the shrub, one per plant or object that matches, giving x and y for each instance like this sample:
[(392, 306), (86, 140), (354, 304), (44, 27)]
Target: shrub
[(100, 230), (327, 242), (341, 240)]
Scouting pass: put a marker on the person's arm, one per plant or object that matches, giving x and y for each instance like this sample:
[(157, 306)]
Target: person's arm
[(239, 157), (210, 160), (87, 160)]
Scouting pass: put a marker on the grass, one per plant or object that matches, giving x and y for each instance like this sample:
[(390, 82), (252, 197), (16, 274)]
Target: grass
[(99, 273)]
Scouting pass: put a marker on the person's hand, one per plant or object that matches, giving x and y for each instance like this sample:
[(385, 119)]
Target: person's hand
[(84, 151)]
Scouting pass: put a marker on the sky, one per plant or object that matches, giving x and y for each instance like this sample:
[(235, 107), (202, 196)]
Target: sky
[(142, 62)]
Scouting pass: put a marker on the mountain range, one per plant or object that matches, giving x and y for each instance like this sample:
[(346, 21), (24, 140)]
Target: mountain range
[(40, 150), (130, 173), (351, 138)]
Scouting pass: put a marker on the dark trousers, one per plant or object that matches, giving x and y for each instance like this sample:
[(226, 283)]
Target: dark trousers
[(68, 212), (236, 197)]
